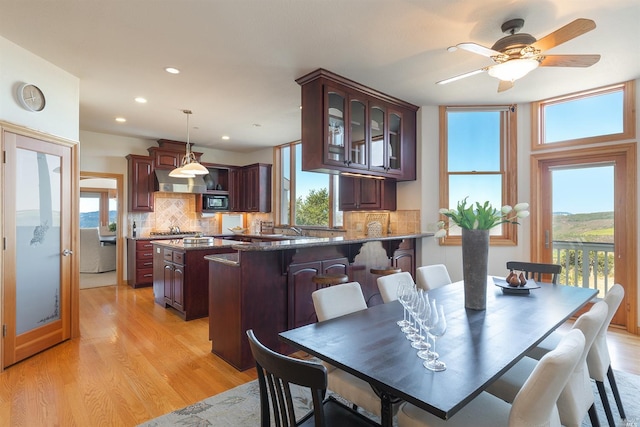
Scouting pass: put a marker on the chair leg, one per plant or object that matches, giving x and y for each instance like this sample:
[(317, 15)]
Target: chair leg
[(593, 416), (616, 393), (605, 403)]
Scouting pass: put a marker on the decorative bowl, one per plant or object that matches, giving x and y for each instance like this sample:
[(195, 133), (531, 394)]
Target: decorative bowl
[(238, 230)]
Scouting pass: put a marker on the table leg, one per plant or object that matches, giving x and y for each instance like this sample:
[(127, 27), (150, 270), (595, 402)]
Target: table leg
[(386, 406)]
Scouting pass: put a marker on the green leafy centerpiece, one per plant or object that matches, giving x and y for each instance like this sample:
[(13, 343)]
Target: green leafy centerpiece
[(476, 220)]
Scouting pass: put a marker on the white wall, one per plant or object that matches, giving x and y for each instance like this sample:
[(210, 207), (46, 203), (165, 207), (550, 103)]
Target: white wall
[(60, 116)]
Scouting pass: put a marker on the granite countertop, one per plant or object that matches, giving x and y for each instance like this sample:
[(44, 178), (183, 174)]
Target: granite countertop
[(297, 242), (180, 244)]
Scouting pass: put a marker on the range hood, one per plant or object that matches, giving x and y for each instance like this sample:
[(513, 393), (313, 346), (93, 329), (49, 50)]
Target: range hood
[(168, 184)]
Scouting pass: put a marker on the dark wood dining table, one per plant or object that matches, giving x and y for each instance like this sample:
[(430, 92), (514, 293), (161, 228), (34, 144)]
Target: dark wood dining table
[(478, 346)]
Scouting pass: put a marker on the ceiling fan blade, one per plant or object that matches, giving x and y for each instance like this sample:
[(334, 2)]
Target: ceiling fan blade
[(569, 60), (564, 34), (461, 76), (504, 85), (476, 48)]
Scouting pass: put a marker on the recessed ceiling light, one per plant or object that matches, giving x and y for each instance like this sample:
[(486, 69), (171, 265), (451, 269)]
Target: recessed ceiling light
[(140, 100), (256, 125), (226, 137), (120, 119), (172, 70)]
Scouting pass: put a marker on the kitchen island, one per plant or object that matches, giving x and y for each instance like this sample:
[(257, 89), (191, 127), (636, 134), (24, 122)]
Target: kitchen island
[(266, 286), (180, 273)]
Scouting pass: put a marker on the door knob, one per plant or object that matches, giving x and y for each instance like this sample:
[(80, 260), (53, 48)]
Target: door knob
[(67, 252)]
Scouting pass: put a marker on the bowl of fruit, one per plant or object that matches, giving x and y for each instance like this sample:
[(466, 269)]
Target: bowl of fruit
[(238, 230)]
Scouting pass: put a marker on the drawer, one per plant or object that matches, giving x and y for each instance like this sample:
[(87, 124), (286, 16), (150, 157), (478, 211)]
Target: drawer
[(144, 255), (178, 257), (144, 263), (143, 245), (144, 275), (167, 255)]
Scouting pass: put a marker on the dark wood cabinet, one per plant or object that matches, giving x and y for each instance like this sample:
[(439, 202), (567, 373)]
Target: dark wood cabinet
[(169, 154), (250, 188), (348, 127), (366, 194), (139, 263), (173, 268), (140, 183), (300, 287), (180, 279)]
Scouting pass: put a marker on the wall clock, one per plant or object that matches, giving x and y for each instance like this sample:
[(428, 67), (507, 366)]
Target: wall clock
[(31, 97)]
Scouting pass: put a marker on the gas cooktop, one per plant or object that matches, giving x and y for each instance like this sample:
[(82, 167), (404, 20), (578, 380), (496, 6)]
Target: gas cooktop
[(173, 233)]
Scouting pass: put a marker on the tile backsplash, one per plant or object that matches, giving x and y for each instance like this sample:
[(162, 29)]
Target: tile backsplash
[(174, 209)]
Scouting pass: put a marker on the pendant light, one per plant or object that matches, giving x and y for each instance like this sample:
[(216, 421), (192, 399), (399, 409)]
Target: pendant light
[(190, 166)]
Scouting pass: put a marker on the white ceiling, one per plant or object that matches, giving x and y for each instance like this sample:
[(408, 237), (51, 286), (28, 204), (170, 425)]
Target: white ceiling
[(240, 58)]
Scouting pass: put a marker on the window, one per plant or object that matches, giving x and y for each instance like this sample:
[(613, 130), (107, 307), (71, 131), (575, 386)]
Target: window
[(478, 161), (304, 198), (599, 115), (97, 207)]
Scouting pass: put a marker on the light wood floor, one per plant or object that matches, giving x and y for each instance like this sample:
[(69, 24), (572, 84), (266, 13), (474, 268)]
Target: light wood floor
[(136, 361)]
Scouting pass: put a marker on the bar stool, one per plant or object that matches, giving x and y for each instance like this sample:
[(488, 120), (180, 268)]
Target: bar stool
[(329, 279), (385, 271)]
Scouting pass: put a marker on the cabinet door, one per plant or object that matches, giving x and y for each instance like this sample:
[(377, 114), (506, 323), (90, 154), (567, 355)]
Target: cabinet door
[(358, 133), (404, 259), (370, 194), (335, 266), (178, 287), (348, 193), (168, 283), (335, 151), (378, 136), (236, 202), (140, 183), (394, 155), (300, 287), (251, 178)]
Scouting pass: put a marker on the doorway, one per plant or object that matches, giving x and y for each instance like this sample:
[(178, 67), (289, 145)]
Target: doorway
[(585, 220), (101, 194)]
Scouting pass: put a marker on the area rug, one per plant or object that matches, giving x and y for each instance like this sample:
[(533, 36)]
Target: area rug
[(240, 407)]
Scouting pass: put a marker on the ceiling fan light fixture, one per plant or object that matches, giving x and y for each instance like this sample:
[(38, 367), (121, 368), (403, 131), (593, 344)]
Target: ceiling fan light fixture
[(190, 166), (513, 69)]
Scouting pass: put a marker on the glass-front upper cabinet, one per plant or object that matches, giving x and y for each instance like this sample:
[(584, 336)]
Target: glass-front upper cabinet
[(358, 148), (335, 147), (394, 148), (378, 137)]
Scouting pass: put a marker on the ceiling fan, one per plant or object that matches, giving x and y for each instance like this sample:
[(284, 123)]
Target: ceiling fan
[(519, 53)]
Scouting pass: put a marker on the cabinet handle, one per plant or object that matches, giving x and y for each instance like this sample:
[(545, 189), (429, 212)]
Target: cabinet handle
[(148, 275)]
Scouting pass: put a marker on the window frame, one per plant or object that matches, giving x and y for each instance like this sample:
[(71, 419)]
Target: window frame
[(628, 125), (332, 187), (508, 157)]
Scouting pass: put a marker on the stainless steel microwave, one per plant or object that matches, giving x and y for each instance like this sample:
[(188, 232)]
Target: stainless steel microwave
[(215, 202)]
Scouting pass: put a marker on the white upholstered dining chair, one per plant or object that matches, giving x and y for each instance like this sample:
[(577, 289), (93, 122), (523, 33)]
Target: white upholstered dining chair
[(388, 285), (534, 405), (336, 301), (576, 399), (598, 358), (432, 276)]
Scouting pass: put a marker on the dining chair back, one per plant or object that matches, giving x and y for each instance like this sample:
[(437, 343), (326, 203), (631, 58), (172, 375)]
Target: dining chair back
[(535, 271), (432, 276), (598, 358), (576, 399), (388, 285), (276, 374), (534, 404), (330, 303), (338, 300)]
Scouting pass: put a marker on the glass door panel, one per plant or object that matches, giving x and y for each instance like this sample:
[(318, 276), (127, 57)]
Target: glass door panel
[(395, 142), (335, 131), (377, 138), (358, 141)]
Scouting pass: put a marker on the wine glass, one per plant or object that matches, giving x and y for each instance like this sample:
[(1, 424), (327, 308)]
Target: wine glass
[(404, 295), (437, 329), (414, 306), (423, 311)]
